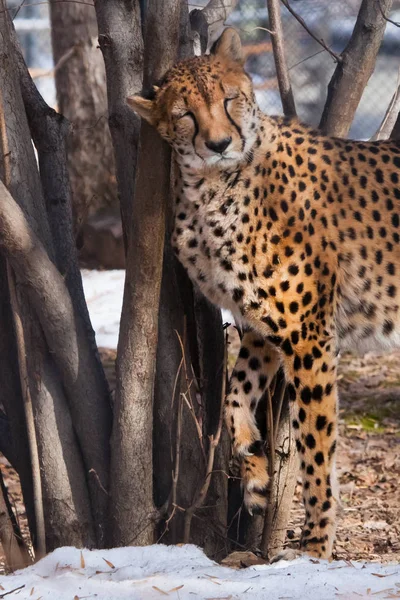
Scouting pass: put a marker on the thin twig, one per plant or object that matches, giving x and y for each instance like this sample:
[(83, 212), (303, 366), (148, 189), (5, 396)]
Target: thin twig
[(320, 41), (214, 441), (282, 72), (396, 23), (187, 397), (97, 478), (18, 9), (64, 59)]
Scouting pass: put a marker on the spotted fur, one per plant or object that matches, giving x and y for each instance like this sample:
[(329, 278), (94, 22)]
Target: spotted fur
[(298, 235)]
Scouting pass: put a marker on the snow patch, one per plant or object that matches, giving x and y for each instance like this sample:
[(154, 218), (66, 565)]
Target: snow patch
[(104, 292), (185, 573)]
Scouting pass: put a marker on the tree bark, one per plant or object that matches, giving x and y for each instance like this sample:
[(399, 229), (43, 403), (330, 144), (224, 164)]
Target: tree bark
[(283, 465), (278, 45), (133, 427), (12, 400), (88, 391), (121, 42), (353, 72), (209, 21), (82, 99), (69, 521)]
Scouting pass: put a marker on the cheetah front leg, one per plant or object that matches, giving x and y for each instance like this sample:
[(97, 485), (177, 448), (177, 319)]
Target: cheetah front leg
[(312, 377), (256, 365)]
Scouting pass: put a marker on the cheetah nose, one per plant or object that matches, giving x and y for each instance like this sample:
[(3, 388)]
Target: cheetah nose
[(219, 146)]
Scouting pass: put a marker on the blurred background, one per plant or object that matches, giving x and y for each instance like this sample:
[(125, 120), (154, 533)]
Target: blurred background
[(311, 67)]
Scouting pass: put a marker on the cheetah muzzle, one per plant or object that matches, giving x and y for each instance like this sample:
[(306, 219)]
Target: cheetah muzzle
[(298, 235)]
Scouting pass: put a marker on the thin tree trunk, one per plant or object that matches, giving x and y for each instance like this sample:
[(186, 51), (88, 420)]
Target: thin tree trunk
[(82, 99), (121, 42), (356, 67), (283, 467), (133, 427), (278, 45)]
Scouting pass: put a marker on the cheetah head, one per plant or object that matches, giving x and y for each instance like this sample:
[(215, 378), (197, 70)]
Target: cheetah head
[(205, 107)]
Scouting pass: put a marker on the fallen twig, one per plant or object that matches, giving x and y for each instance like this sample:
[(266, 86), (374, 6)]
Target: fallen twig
[(21, 587)]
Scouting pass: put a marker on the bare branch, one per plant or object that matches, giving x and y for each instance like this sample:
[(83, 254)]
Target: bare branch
[(209, 21), (396, 23), (356, 67), (385, 129), (282, 72), (319, 41)]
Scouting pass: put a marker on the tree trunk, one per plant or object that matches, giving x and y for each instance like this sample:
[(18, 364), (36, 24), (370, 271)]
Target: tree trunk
[(133, 427), (121, 42), (82, 99), (82, 372), (355, 68), (68, 520)]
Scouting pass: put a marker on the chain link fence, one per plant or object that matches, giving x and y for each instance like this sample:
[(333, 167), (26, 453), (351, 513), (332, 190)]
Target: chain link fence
[(311, 67)]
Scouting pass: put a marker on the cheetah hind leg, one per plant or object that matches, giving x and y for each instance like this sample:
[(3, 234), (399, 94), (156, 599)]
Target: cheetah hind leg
[(256, 365)]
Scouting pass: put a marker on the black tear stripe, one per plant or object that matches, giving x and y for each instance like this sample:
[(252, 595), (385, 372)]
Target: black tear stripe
[(196, 128), (238, 129)]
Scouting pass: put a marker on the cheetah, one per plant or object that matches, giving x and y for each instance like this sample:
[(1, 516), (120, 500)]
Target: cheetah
[(297, 234)]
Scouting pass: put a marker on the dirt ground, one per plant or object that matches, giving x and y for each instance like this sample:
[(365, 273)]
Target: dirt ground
[(368, 460)]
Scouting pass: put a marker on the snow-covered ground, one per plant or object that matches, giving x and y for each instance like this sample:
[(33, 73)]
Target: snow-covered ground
[(185, 573), (104, 292)]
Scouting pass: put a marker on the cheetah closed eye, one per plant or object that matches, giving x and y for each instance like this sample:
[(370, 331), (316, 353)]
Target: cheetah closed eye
[(298, 235)]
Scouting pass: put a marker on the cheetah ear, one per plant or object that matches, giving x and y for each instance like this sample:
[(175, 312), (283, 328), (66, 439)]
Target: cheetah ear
[(143, 107), (228, 46)]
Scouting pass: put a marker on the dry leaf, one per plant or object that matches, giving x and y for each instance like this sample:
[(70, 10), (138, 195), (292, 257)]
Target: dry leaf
[(175, 589), (32, 590), (76, 597), (82, 561), (109, 563), (158, 590)]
